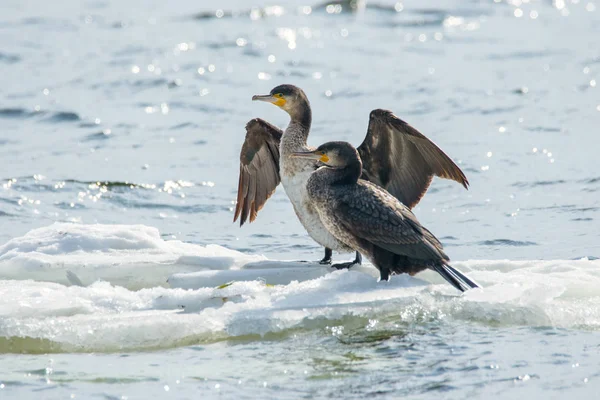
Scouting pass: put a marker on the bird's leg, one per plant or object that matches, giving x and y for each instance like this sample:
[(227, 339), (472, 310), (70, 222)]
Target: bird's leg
[(350, 264), (327, 259), (384, 275), (358, 259)]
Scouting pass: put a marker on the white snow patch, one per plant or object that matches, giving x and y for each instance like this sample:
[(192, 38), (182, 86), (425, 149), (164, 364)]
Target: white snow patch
[(133, 256), (257, 296)]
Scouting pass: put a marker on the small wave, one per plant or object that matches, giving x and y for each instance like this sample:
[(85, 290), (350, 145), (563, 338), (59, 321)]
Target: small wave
[(138, 84), (184, 209), (217, 14), (149, 83), (590, 180), (542, 129), (8, 58), (184, 125), (221, 45), (567, 208), (491, 111), (506, 242), (98, 136), (63, 116), (18, 113), (538, 183), (204, 108), (449, 238), (520, 55), (110, 184), (128, 50)]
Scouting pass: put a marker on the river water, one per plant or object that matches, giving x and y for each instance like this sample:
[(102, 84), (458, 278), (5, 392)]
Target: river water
[(121, 124)]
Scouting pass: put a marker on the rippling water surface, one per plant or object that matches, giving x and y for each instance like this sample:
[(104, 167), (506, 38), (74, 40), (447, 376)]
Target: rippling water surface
[(131, 114)]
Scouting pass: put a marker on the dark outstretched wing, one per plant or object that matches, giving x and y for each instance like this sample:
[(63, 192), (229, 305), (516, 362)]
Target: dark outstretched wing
[(402, 160), (259, 168), (374, 215)]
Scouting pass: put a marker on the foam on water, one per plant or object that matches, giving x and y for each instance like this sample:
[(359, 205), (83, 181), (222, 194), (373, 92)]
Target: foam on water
[(102, 315)]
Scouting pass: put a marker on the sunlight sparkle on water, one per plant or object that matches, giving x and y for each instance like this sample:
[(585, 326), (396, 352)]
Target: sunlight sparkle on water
[(333, 9), (306, 10)]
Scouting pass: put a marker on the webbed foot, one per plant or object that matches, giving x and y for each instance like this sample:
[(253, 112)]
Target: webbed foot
[(346, 265), (350, 264)]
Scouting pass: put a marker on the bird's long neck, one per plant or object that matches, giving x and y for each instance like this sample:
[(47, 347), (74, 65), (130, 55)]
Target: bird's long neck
[(296, 134), (328, 177), (302, 115)]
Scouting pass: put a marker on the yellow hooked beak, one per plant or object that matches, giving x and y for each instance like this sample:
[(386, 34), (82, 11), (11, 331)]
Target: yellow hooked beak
[(313, 155), (269, 98)]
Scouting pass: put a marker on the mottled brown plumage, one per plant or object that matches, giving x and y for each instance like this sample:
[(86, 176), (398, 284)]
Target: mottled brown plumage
[(259, 168)]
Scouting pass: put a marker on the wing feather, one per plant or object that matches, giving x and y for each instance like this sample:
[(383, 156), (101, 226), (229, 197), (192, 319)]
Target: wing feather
[(259, 169), (374, 215), (402, 160)]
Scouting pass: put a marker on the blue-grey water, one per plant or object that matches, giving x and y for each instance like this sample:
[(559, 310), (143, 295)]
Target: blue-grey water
[(133, 113)]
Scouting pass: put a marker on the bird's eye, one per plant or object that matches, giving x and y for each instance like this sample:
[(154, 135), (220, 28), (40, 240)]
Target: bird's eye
[(278, 95)]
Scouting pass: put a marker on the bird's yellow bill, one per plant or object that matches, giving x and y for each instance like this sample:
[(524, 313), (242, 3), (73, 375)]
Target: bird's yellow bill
[(278, 101), (313, 155)]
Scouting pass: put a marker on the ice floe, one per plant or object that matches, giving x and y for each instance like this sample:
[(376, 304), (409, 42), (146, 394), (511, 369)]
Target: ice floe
[(69, 287)]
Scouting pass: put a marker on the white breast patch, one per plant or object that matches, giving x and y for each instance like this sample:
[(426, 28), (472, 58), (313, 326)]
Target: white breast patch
[(295, 188)]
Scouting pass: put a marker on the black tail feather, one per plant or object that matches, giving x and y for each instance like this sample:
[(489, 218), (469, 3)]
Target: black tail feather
[(456, 278)]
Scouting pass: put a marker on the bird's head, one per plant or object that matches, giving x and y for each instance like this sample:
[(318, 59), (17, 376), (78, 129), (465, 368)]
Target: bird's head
[(332, 154), (290, 98)]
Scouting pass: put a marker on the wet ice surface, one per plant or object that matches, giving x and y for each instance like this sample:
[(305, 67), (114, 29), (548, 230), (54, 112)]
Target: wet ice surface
[(131, 114), (72, 288)]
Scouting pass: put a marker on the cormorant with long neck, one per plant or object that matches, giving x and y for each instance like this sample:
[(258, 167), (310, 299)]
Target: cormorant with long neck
[(369, 220), (395, 156)]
